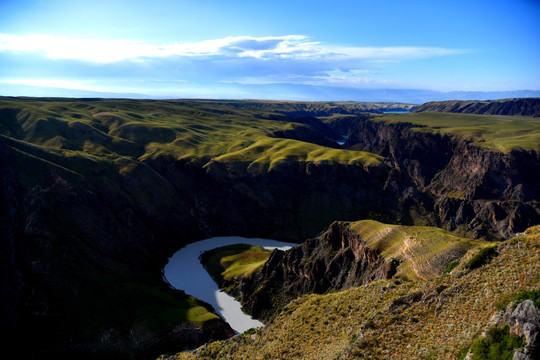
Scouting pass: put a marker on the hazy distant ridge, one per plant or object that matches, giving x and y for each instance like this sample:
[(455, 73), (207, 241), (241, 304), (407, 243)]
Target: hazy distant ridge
[(521, 107), (287, 92)]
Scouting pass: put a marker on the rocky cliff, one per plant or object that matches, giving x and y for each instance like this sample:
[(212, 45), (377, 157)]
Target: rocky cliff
[(521, 107), (348, 255), (335, 260), (484, 191)]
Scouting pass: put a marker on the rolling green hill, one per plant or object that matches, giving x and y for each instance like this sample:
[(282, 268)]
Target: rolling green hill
[(143, 129)]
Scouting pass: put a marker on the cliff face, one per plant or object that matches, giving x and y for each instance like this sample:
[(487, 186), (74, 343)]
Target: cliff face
[(481, 190), (337, 259), (521, 107), (349, 254)]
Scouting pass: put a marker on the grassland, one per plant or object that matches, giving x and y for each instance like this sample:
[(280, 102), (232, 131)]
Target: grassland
[(233, 261), (493, 131), (193, 130), (393, 319), (423, 251)]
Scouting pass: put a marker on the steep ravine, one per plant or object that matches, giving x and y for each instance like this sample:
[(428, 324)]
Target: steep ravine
[(475, 189), (89, 238)]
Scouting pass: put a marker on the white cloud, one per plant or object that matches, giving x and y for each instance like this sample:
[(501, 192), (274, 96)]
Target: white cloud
[(56, 83), (289, 47), (351, 78)]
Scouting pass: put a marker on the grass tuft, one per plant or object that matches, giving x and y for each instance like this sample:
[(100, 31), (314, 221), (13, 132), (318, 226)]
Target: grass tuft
[(234, 261), (483, 257)]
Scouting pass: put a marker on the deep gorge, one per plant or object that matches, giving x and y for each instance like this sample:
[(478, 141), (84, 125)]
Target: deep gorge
[(86, 236)]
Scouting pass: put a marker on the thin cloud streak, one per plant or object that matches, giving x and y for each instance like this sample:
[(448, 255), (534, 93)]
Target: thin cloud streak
[(289, 47)]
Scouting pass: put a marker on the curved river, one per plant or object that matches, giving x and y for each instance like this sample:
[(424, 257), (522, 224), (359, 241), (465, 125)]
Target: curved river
[(184, 271)]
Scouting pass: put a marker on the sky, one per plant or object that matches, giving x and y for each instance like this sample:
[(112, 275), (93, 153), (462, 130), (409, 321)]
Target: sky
[(267, 49)]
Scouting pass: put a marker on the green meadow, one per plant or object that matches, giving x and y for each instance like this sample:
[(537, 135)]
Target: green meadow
[(198, 131), (233, 261), (498, 132)]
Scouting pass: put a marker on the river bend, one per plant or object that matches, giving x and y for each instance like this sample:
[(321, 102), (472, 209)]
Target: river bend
[(184, 271)]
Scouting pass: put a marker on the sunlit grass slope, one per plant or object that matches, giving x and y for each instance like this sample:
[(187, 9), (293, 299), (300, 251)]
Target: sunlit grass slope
[(232, 261), (423, 251), (142, 129), (498, 132), (394, 319)]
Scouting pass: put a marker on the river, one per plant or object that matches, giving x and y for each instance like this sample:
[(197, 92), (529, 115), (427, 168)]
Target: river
[(184, 271)]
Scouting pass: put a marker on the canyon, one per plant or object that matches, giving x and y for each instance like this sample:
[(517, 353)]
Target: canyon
[(97, 194)]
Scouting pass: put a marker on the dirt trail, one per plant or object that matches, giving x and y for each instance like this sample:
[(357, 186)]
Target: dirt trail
[(409, 257)]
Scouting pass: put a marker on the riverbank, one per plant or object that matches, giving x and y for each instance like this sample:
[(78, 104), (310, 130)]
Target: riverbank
[(184, 271)]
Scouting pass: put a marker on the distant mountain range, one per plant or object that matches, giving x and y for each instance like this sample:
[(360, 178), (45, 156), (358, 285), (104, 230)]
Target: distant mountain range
[(285, 92)]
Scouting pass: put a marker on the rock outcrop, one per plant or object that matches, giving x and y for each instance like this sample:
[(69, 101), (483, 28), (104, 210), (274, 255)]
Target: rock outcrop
[(348, 254), (337, 259), (524, 322)]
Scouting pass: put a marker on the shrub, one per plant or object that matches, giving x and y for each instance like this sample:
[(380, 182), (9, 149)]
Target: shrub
[(449, 267), (498, 344), (533, 295), (483, 257)]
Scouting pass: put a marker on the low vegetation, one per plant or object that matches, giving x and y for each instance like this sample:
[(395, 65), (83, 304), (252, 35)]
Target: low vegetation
[(498, 344), (423, 251), (493, 131), (233, 261), (533, 295), (158, 309), (449, 267), (395, 319), (483, 257)]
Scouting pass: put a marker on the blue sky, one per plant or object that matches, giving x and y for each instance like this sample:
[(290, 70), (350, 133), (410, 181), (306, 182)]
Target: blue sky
[(269, 49)]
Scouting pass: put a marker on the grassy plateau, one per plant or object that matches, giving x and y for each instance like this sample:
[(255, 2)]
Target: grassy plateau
[(423, 251), (502, 133)]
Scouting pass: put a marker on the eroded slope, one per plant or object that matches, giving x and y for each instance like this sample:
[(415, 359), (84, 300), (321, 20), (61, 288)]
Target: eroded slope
[(394, 319)]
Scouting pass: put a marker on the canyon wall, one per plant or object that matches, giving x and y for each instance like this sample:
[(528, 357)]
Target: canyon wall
[(483, 191), (85, 239)]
